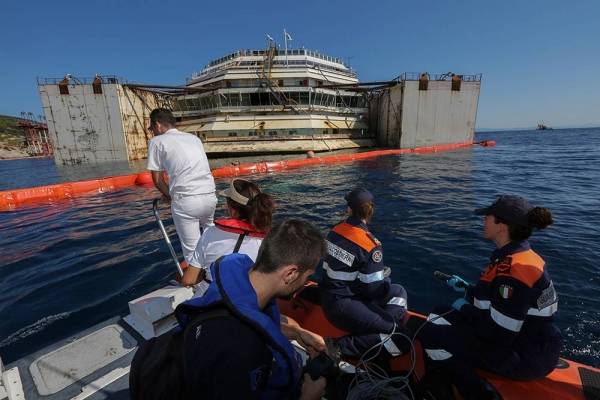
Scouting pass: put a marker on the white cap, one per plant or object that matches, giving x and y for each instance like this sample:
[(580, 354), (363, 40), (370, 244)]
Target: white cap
[(233, 194)]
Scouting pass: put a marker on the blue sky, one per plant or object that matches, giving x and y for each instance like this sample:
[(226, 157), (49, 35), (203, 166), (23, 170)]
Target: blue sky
[(540, 59)]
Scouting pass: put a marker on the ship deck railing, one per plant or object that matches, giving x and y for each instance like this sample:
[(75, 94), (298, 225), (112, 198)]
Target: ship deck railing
[(415, 76), (73, 80), (249, 65)]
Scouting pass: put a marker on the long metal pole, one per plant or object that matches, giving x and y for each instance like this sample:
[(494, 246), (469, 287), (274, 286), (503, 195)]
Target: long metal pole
[(285, 40), (166, 235)]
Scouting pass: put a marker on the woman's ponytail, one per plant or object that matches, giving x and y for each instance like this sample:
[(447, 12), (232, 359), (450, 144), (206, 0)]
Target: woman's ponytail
[(261, 211), (540, 218)]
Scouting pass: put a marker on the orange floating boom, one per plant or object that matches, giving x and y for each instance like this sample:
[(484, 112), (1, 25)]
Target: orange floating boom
[(13, 199)]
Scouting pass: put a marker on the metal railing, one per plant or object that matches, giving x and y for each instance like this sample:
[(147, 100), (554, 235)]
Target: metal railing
[(415, 76), (74, 80), (254, 65)]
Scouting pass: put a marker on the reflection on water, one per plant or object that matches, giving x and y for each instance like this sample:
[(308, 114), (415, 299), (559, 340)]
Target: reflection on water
[(67, 266)]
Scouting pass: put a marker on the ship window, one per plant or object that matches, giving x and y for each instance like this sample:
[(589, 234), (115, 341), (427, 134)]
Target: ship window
[(228, 84), (254, 99), (336, 131), (292, 132), (246, 99), (233, 134), (234, 99), (221, 100), (324, 131), (304, 98), (280, 82), (252, 133), (272, 133), (264, 99)]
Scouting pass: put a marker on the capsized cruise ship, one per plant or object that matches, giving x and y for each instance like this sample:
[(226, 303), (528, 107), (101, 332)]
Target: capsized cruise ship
[(274, 101)]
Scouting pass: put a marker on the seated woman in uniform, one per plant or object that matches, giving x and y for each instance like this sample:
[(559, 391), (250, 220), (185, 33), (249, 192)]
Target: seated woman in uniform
[(505, 323), (357, 295), (250, 216)]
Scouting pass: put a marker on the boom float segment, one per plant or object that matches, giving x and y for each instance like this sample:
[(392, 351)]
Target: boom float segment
[(14, 199)]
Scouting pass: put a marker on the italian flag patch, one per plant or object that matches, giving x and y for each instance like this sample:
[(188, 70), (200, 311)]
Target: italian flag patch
[(505, 291)]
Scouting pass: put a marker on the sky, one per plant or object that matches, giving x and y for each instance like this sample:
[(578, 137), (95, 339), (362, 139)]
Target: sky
[(540, 59)]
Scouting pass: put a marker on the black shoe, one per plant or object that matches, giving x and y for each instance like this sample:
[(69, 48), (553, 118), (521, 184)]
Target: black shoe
[(435, 385)]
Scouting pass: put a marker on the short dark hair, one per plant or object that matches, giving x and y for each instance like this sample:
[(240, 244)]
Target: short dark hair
[(292, 242), (163, 116), (364, 211)]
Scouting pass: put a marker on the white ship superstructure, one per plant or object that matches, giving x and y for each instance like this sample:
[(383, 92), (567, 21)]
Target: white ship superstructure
[(274, 101)]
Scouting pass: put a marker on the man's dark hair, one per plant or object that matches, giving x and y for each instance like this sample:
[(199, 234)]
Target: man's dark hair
[(163, 116), (292, 242)]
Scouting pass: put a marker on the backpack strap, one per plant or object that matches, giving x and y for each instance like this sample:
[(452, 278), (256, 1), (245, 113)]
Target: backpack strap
[(238, 244)]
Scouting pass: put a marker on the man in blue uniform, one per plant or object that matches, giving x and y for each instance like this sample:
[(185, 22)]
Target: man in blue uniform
[(357, 295), (505, 323)]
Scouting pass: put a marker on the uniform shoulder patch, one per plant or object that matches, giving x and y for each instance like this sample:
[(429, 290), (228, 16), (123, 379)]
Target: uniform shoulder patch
[(506, 291), (503, 266), (377, 256)]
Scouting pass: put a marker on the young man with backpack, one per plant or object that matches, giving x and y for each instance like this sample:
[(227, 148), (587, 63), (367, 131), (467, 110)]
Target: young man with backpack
[(231, 341)]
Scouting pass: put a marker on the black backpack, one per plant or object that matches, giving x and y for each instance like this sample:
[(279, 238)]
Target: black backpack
[(157, 367)]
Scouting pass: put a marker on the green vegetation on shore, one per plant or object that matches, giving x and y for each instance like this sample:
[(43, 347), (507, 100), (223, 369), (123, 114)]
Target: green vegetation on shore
[(10, 133)]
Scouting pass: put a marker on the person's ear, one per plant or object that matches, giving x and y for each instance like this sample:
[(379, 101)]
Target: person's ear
[(290, 274)]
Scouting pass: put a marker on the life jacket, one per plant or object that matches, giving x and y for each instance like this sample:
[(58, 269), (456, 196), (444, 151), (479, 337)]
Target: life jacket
[(231, 287), (238, 226)]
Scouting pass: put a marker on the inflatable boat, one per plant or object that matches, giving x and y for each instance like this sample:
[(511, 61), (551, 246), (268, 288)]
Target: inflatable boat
[(570, 380)]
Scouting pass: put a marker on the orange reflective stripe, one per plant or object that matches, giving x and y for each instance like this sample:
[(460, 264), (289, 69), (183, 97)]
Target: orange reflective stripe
[(355, 235), (526, 267)]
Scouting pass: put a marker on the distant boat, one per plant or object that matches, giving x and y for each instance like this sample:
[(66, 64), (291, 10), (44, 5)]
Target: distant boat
[(542, 127)]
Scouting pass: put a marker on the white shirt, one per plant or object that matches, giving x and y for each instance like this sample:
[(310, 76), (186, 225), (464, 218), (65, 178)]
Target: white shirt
[(216, 242), (182, 156)]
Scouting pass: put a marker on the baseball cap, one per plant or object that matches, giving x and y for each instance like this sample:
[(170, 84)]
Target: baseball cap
[(512, 209), (357, 197), (233, 194)]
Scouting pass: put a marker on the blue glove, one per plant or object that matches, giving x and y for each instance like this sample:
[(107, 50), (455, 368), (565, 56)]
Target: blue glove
[(458, 303), (455, 282)]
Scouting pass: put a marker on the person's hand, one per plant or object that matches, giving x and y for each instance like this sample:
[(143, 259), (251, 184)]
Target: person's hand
[(166, 199), (312, 390), (311, 341), (457, 283), (458, 303)]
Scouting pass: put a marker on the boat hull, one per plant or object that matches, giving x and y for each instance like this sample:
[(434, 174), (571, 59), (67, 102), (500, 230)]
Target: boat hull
[(570, 380)]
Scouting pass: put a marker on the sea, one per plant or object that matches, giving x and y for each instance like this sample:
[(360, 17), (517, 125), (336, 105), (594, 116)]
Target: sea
[(74, 263)]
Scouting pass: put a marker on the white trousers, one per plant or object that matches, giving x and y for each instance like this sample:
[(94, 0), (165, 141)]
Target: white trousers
[(190, 215)]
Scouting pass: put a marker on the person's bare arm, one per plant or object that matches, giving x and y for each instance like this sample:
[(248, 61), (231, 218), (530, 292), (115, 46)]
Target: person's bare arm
[(192, 275), (292, 330), (159, 181)]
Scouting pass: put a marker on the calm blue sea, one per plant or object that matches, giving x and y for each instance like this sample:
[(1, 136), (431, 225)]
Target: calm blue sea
[(67, 266)]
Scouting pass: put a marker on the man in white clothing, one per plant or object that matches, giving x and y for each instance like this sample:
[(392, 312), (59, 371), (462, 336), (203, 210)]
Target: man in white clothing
[(191, 187)]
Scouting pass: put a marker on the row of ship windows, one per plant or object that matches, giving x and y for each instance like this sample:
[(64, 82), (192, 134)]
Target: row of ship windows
[(286, 132), (279, 63), (239, 83), (269, 99)]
